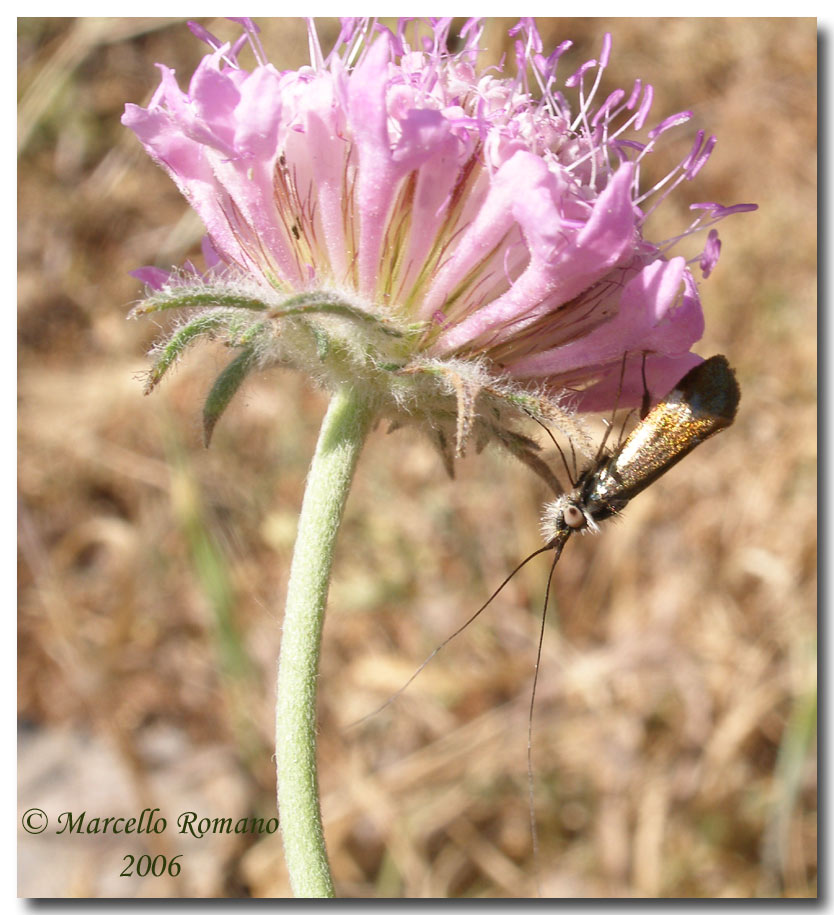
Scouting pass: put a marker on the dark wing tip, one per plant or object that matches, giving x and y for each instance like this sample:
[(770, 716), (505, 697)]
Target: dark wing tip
[(711, 388)]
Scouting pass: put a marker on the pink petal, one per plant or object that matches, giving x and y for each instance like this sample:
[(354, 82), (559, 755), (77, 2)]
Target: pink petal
[(377, 172), (662, 374), (563, 262), (653, 316)]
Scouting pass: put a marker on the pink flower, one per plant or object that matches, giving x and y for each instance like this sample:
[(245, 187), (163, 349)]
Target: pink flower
[(488, 223)]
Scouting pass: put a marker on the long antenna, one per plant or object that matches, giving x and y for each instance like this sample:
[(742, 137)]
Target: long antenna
[(558, 448), (553, 544), (557, 544), (602, 444)]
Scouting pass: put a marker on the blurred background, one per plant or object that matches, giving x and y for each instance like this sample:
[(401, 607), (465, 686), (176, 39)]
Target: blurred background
[(674, 735)]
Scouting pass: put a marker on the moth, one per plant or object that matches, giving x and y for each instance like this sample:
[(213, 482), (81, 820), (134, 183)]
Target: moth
[(700, 405)]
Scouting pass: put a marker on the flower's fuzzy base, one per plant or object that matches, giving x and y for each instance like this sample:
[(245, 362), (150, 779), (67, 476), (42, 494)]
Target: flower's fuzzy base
[(337, 340)]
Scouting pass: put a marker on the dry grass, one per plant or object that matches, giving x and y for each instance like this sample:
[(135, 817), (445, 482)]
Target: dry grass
[(674, 741)]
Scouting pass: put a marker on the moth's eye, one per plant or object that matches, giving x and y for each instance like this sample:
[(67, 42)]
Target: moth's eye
[(573, 517)]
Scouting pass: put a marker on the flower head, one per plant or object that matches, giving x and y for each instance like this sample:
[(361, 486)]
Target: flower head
[(464, 243)]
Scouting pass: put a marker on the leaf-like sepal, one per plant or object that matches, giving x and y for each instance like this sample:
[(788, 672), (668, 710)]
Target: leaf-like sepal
[(169, 351), (197, 296), (224, 389)]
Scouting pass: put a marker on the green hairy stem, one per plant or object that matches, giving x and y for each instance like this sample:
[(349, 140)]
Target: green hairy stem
[(342, 434)]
